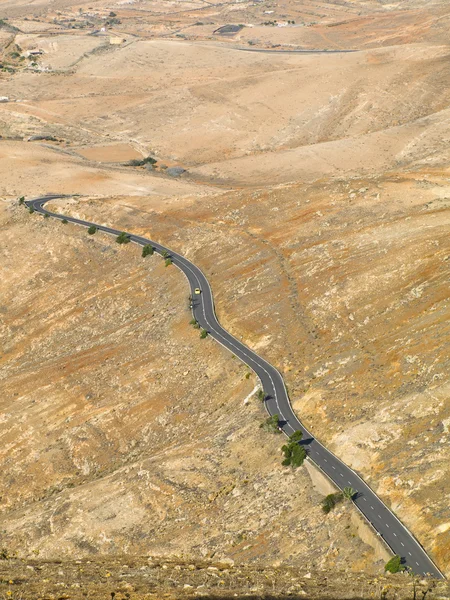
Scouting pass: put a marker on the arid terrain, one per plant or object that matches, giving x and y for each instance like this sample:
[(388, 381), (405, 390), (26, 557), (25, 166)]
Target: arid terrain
[(313, 190)]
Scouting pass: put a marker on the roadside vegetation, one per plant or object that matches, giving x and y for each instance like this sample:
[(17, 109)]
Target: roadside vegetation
[(272, 424), (147, 250), (123, 238), (330, 501), (294, 453), (394, 565), (92, 230), (203, 334)]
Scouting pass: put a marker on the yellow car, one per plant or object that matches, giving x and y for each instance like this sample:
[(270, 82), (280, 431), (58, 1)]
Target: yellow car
[(197, 291)]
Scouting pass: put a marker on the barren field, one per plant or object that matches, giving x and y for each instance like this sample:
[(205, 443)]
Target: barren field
[(315, 196)]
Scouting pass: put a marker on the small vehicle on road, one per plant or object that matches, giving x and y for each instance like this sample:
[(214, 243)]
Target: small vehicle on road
[(197, 291)]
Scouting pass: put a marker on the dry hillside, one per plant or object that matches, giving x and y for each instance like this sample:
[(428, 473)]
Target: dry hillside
[(316, 198)]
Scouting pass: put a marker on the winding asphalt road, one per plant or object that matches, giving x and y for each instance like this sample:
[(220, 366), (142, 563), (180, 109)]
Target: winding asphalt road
[(386, 524)]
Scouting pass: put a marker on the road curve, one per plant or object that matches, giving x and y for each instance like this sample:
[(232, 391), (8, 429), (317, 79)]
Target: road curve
[(386, 524)]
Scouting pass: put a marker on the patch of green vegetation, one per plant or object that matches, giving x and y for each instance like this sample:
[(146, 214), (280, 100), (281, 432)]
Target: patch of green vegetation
[(294, 454), (394, 565), (147, 250), (330, 501), (272, 424), (92, 230), (123, 238)]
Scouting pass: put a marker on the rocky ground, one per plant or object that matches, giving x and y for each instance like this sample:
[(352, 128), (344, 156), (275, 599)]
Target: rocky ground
[(123, 432), (138, 578)]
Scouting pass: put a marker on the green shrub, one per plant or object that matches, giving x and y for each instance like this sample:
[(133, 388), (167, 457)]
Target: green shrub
[(294, 454), (297, 436), (394, 565), (192, 322), (92, 230), (168, 261), (261, 395), (330, 501), (147, 250), (31, 210), (64, 221), (46, 216), (349, 493), (123, 238), (203, 334), (22, 200), (271, 424), (165, 254)]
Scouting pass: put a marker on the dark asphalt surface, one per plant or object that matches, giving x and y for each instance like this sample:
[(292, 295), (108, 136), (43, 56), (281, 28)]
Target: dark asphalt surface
[(387, 525)]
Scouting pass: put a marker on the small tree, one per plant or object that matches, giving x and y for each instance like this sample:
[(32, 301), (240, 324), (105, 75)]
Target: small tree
[(168, 261), (64, 221), (31, 210), (261, 395), (330, 501), (349, 493), (394, 565), (203, 334), (294, 454), (92, 230), (123, 238), (165, 254), (297, 436), (271, 424), (22, 200), (147, 250)]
